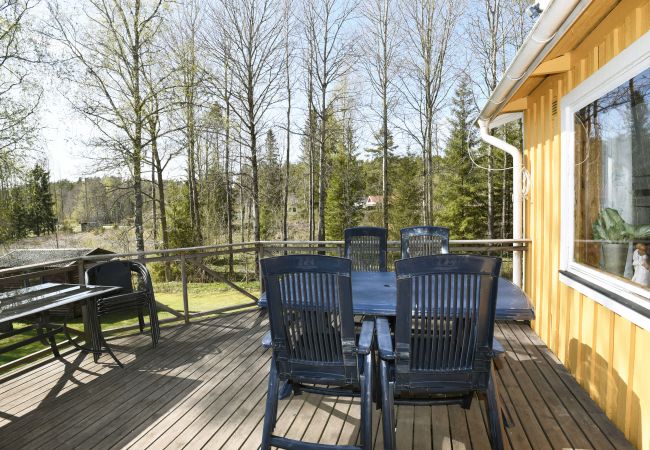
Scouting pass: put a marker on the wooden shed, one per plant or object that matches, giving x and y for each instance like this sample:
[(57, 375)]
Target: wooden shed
[(581, 86), (58, 272)]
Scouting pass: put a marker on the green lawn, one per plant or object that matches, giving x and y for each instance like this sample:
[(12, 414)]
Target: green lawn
[(202, 297)]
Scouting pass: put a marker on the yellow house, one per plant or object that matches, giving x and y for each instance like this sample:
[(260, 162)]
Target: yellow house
[(581, 85)]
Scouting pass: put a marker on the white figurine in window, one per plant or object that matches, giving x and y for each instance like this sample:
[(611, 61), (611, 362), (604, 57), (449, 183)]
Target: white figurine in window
[(641, 265)]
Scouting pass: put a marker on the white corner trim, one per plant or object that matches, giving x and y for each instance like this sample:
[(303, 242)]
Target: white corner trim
[(626, 65)]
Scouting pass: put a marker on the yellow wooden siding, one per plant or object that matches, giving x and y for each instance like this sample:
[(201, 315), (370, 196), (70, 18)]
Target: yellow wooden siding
[(608, 355)]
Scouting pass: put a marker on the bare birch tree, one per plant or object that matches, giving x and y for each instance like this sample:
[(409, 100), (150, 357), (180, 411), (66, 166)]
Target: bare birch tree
[(327, 32), (496, 29), (111, 45), (428, 26), (380, 48), (250, 32), (19, 94), (183, 43), (288, 85)]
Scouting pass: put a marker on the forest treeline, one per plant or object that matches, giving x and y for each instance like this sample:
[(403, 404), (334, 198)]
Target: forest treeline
[(284, 114)]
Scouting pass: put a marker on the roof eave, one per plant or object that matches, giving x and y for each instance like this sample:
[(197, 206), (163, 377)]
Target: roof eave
[(547, 31)]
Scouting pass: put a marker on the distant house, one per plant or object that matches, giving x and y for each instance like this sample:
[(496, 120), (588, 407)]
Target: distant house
[(373, 200), (25, 257), (89, 226)]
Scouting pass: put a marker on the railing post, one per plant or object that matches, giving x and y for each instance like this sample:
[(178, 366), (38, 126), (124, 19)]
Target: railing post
[(186, 304), (81, 273), (517, 267), (260, 255)]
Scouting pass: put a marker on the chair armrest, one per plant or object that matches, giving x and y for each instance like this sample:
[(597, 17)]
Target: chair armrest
[(267, 342), (384, 339), (366, 337)]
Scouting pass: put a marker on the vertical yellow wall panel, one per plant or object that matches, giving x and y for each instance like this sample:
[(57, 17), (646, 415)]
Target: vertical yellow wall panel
[(640, 397), (608, 355)]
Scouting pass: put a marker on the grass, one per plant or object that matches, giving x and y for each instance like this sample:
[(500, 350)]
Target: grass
[(201, 297)]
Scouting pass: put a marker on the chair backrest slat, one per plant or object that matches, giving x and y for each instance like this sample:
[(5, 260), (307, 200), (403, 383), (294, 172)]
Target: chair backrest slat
[(445, 313), (112, 273), (424, 241), (310, 312), (366, 248)]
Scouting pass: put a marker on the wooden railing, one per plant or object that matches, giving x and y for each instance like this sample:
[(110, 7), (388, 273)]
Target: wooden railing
[(193, 259), (255, 250)]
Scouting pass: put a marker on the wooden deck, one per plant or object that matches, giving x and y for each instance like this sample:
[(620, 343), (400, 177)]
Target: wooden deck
[(205, 386)]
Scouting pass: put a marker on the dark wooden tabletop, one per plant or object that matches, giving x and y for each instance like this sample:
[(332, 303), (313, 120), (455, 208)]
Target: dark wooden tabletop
[(34, 299), (375, 294)]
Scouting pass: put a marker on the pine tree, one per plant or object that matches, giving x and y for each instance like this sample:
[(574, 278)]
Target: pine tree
[(461, 188), (18, 214), (374, 172), (345, 185), (271, 189), (40, 209), (406, 201), (181, 232)]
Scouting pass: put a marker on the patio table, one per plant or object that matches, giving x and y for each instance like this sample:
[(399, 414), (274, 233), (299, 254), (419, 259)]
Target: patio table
[(375, 294), (41, 299)]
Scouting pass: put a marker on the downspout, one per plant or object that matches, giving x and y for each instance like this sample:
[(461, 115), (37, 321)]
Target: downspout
[(517, 209), (557, 16)]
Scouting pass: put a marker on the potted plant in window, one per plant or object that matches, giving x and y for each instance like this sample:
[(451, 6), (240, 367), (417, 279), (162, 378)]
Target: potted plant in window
[(615, 236)]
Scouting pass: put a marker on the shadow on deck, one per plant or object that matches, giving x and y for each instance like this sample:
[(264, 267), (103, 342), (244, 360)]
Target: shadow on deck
[(205, 385)]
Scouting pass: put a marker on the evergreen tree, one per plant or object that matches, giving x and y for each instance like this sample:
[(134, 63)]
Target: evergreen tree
[(373, 173), (181, 232), (461, 188), (271, 185), (18, 215), (40, 209), (406, 201), (345, 185)]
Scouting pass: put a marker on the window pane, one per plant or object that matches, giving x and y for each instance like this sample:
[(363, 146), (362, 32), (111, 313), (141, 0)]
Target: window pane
[(612, 182)]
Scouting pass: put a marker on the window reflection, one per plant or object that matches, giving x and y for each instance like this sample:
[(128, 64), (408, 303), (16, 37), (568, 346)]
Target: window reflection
[(612, 182)]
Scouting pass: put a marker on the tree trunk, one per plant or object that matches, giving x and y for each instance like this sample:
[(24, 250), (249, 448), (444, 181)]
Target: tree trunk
[(229, 208), (384, 169), (490, 196), (161, 201), (311, 125), (154, 219), (137, 141), (285, 212)]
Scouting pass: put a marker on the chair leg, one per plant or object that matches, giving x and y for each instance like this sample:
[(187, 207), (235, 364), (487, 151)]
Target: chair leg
[(154, 323), (366, 403), (497, 432), (271, 407), (387, 407), (141, 320)]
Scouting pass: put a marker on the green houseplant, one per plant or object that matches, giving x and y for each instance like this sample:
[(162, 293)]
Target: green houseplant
[(615, 235)]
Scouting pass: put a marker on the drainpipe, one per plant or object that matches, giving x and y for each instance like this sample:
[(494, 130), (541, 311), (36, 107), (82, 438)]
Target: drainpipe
[(517, 216)]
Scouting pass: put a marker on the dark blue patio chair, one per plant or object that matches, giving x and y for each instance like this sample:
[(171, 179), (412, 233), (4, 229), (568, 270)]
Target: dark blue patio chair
[(136, 295), (313, 339), (366, 248), (424, 241), (442, 352)]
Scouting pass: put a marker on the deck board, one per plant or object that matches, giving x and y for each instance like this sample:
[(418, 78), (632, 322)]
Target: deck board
[(205, 386)]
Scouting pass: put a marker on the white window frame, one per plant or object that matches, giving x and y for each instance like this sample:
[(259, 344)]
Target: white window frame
[(629, 63)]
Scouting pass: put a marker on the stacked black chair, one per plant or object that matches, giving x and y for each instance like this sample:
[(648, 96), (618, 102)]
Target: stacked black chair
[(366, 248), (444, 328), (313, 339), (424, 241), (135, 296)]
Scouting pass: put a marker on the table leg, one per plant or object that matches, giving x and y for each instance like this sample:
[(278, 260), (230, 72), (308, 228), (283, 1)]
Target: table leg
[(45, 323)]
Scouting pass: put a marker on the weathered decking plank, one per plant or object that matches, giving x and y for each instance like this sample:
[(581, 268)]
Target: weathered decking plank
[(205, 385)]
